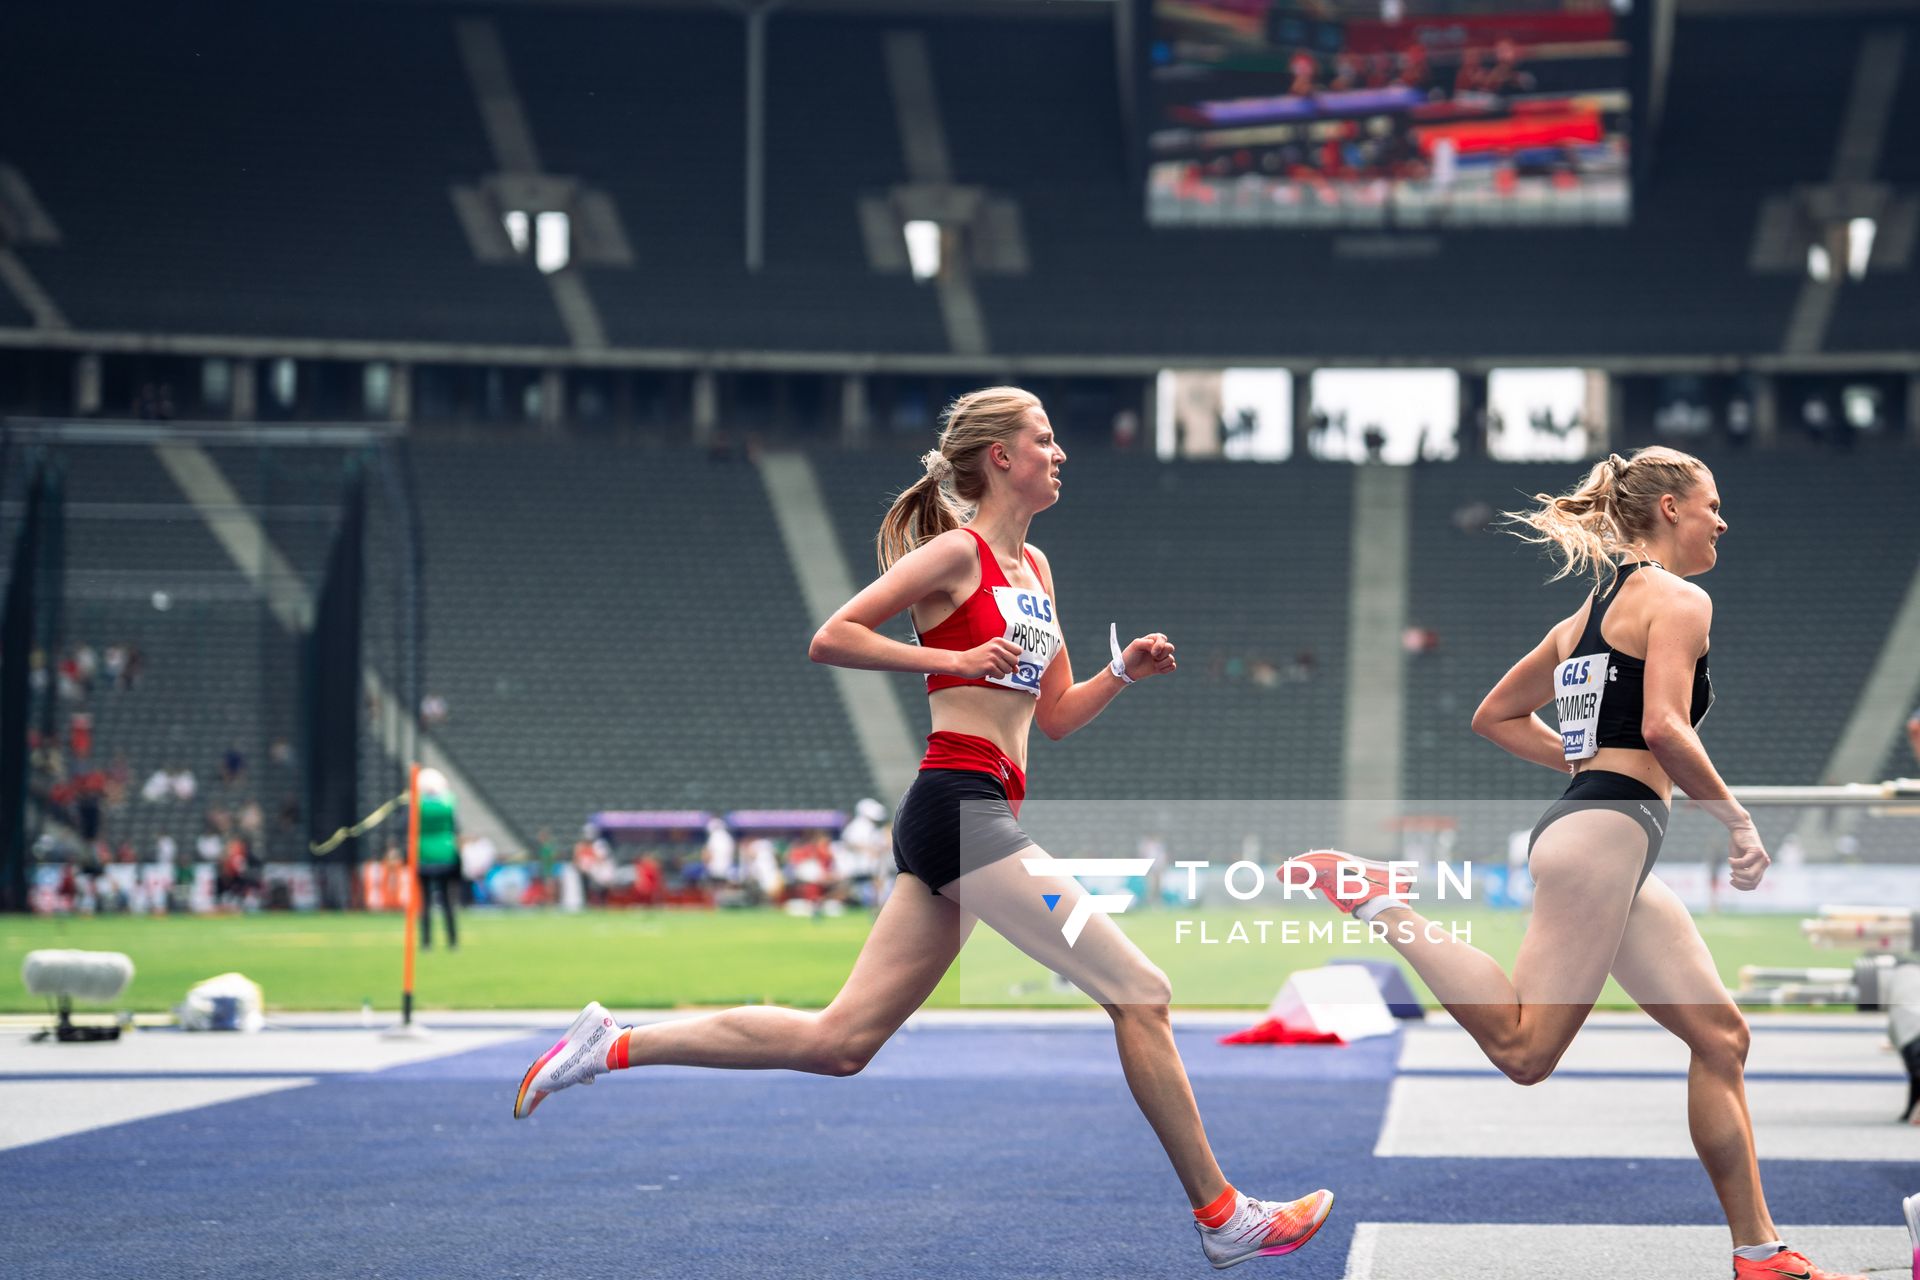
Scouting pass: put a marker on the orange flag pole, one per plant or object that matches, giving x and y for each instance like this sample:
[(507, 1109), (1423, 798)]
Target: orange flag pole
[(412, 891)]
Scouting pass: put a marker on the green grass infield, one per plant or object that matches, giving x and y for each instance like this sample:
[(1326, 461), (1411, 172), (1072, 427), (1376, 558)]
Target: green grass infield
[(670, 959)]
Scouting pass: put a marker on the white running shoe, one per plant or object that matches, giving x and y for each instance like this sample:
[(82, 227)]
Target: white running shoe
[(1264, 1228), (577, 1059), (1911, 1207)]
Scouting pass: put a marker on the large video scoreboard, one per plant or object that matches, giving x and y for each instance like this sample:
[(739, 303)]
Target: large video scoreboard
[(1388, 113)]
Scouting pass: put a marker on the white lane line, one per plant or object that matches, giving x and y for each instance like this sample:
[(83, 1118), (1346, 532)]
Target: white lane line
[(41, 1110)]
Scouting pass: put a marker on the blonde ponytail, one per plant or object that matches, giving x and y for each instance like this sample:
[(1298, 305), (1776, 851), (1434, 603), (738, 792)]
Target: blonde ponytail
[(956, 477), (1589, 527)]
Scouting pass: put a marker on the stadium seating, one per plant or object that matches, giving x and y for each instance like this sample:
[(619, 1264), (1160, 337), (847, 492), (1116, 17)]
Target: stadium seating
[(615, 627), (353, 125), (285, 171), (564, 580), (143, 570), (1244, 566), (598, 87), (1801, 609)]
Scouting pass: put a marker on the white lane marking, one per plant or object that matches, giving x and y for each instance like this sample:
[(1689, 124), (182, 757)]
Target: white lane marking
[(41, 1110)]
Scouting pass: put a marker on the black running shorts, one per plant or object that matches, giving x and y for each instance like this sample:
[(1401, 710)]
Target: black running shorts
[(952, 821), (1603, 789)]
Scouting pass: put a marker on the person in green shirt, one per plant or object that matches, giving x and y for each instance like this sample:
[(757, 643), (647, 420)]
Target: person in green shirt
[(439, 867)]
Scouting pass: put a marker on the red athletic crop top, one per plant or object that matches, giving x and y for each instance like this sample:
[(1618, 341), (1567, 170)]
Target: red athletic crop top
[(999, 609)]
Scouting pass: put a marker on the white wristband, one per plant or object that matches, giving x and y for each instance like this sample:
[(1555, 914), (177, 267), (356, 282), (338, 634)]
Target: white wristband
[(1119, 664)]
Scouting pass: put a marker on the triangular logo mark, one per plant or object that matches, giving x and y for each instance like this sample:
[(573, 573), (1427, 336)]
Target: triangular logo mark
[(1051, 899)]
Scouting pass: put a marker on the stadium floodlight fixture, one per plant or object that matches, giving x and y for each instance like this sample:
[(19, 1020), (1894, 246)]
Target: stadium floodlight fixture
[(1819, 263), (1860, 233), (552, 241), (519, 229), (923, 248)]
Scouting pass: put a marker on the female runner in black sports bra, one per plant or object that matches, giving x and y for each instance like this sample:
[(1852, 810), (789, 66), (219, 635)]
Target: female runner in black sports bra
[(1627, 674)]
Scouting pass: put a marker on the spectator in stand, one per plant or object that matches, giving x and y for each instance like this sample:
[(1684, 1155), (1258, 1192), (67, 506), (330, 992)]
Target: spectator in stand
[(1473, 517), (88, 788), (1913, 734), (477, 858), (439, 858), (136, 667), (1305, 69), (238, 883), (546, 869), (185, 786), (721, 869), (233, 766), (1413, 65), (647, 880), (1505, 76), (1471, 78), (113, 661), (80, 734), (593, 859), (810, 867), (433, 710), (760, 868), (1303, 666), (87, 664), (861, 851)]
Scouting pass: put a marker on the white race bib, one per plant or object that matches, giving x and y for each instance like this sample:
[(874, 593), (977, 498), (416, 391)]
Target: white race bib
[(1578, 684), (1031, 625)]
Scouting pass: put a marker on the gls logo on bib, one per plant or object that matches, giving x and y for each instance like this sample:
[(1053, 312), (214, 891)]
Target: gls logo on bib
[(1580, 686), (1030, 624)]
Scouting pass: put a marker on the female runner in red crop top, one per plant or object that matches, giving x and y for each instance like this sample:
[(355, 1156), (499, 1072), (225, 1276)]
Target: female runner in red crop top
[(982, 603)]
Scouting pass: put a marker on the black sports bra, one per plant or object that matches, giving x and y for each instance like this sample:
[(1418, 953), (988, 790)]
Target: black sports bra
[(1600, 693)]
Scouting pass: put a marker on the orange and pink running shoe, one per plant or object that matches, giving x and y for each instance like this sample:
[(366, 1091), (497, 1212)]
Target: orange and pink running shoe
[(580, 1055), (1264, 1229), (1344, 880), (1911, 1208), (1784, 1265)]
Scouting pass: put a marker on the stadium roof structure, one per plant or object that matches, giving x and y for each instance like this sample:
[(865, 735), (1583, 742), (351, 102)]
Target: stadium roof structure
[(356, 232)]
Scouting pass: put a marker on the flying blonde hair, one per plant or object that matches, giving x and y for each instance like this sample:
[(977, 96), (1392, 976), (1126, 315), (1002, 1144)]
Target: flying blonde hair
[(1589, 527)]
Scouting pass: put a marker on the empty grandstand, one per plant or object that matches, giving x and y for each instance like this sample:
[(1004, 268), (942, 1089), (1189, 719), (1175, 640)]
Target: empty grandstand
[(620, 273)]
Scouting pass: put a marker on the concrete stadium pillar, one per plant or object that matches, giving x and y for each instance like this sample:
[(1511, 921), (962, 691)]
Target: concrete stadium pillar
[(856, 416), (86, 385), (706, 405), (1302, 412), (553, 399), (1766, 411), (1472, 431), (400, 392), (246, 390)]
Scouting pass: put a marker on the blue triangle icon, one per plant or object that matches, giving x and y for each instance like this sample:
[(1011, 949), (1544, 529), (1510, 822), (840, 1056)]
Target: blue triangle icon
[(1051, 899)]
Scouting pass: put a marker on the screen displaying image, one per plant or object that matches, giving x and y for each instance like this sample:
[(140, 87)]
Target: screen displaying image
[(1546, 414), (1407, 113), (1385, 415), (1242, 414)]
